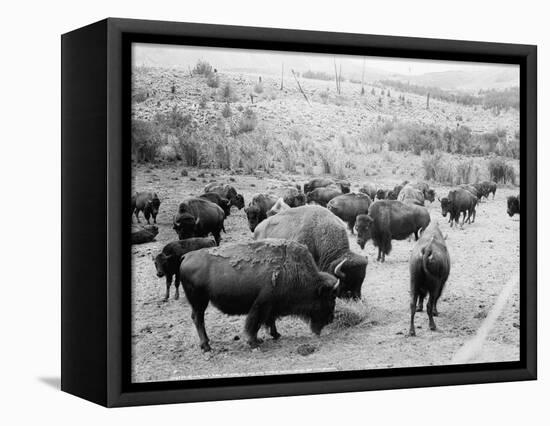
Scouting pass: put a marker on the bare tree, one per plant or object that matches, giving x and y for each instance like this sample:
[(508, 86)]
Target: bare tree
[(300, 87)]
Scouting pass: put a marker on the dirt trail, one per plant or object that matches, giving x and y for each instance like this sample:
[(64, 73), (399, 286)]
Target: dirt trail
[(485, 256)]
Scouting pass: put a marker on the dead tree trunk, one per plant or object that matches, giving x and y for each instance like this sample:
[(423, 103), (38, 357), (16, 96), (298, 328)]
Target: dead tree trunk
[(428, 101), (300, 87), (282, 74)]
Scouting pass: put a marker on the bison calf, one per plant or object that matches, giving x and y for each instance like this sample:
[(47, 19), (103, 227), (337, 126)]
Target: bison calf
[(429, 266), (167, 262), (264, 280)]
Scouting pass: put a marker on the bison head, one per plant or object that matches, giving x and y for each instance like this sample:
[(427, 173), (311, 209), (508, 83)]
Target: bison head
[(237, 201), (445, 206), (253, 214), (155, 205), (381, 194), (363, 225), (185, 225), (429, 195), (351, 273), (161, 264), (322, 312)]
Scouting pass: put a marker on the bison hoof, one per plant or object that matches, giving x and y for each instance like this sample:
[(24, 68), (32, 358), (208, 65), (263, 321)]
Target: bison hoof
[(205, 347), (433, 327), (419, 309), (176, 297), (435, 313), (412, 333)]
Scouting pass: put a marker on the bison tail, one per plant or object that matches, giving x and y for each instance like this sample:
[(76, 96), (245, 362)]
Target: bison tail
[(427, 256), (223, 229)]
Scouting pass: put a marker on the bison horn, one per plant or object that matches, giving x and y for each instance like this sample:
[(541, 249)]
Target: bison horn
[(197, 221), (336, 285), (337, 270)]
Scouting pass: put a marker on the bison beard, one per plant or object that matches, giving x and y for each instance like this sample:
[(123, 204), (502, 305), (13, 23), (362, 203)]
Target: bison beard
[(264, 280), (429, 267)]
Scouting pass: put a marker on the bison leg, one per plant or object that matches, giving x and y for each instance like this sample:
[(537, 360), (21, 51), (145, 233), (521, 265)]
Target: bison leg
[(155, 218), (168, 283), (217, 237), (273, 329), (429, 308), (198, 318), (252, 324), (420, 306), (137, 216), (414, 297), (177, 285), (147, 216)]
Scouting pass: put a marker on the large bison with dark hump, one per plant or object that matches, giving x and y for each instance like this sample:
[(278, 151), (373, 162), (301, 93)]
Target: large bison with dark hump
[(369, 189), (513, 205), (473, 189), (264, 280), (258, 208), (219, 200), (326, 238), (429, 266), (317, 183), (167, 262), (293, 197), (410, 194), (390, 220), (197, 217), (226, 191), (146, 202), (459, 201), (322, 196), (348, 206)]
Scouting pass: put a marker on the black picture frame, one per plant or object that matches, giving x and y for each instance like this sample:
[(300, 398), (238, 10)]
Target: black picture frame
[(95, 292)]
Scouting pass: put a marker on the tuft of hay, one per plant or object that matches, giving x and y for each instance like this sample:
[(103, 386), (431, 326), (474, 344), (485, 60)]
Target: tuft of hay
[(349, 313)]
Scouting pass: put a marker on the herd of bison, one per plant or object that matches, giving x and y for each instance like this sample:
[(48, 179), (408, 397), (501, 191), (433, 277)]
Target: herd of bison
[(300, 260)]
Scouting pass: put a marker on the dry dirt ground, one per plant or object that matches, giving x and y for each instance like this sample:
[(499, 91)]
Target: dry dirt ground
[(484, 255)]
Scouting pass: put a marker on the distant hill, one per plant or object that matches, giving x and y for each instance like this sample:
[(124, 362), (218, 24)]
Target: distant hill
[(262, 62), (489, 78)]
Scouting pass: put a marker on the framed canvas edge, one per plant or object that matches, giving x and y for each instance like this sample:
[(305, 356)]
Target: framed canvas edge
[(118, 396)]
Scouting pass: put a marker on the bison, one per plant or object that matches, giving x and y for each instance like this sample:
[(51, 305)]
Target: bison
[(258, 208), (226, 191), (322, 196), (197, 217), (167, 262), (513, 205), (278, 207), (429, 266), (146, 202), (389, 220), (410, 194), (143, 234), (326, 238), (459, 201), (344, 186), (348, 206), (219, 200), (487, 188), (427, 192), (317, 183), (369, 189), (264, 280), (293, 197)]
